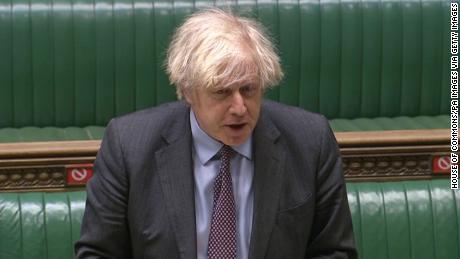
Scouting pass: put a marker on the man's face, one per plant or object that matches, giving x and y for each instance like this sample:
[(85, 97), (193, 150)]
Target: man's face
[(227, 114)]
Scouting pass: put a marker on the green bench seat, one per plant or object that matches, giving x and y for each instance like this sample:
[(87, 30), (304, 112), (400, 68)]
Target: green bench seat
[(395, 123), (67, 65), (31, 134), (38, 134), (397, 220)]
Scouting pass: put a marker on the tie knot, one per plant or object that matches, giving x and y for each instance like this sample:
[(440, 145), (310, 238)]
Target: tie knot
[(226, 152)]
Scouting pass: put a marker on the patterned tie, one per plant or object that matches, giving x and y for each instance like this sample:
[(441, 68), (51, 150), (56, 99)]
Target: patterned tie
[(222, 236)]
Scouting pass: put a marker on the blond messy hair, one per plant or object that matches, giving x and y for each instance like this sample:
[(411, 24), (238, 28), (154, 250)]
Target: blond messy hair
[(215, 48)]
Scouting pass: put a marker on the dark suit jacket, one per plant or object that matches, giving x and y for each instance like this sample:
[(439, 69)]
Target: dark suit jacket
[(141, 199)]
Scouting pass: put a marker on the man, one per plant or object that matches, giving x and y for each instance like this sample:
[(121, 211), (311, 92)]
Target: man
[(222, 174)]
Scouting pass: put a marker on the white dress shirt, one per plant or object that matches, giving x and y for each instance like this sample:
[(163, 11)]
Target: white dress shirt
[(206, 168)]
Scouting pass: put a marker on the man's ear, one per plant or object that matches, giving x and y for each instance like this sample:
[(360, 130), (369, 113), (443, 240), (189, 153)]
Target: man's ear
[(187, 95)]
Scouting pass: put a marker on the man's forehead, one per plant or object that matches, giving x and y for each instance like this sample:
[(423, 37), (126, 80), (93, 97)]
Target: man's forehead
[(235, 79), (236, 85)]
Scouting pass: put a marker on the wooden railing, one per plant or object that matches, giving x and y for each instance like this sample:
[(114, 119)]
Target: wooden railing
[(395, 155), (367, 156)]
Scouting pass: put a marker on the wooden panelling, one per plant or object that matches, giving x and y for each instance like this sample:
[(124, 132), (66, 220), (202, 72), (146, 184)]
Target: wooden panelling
[(367, 156)]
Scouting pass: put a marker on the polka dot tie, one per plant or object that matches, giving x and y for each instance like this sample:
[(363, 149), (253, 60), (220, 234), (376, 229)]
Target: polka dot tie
[(222, 236)]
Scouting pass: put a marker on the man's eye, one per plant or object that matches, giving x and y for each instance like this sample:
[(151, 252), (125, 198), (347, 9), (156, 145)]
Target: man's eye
[(248, 89), (221, 92)]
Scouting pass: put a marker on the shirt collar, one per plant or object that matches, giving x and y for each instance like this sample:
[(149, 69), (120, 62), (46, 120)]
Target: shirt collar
[(206, 147)]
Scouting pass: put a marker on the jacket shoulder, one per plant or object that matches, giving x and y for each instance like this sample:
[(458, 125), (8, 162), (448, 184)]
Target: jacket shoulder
[(158, 114), (148, 125), (290, 117)]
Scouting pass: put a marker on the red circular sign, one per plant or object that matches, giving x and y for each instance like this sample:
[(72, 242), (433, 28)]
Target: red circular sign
[(444, 163), (79, 174)]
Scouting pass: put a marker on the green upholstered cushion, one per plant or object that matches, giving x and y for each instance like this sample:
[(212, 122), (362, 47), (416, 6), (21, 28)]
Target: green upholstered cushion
[(397, 123), (407, 219), (68, 63), (31, 134), (410, 219), (40, 225)]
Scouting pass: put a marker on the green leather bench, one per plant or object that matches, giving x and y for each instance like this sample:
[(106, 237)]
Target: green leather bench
[(397, 220), (68, 66)]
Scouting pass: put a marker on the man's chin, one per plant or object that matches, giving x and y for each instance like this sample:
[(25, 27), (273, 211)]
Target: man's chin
[(235, 140)]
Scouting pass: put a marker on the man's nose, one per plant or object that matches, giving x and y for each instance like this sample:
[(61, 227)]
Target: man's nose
[(238, 106)]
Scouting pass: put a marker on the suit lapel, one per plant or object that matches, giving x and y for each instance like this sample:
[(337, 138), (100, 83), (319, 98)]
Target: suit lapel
[(268, 157), (175, 167)]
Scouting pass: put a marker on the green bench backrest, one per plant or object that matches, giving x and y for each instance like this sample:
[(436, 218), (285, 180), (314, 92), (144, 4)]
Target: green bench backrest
[(412, 219), (81, 62), (40, 225)]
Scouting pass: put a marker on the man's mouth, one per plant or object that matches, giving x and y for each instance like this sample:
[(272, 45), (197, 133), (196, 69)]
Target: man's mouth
[(237, 126)]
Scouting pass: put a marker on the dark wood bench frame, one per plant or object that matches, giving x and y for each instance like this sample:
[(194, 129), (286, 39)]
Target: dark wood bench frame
[(367, 156)]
